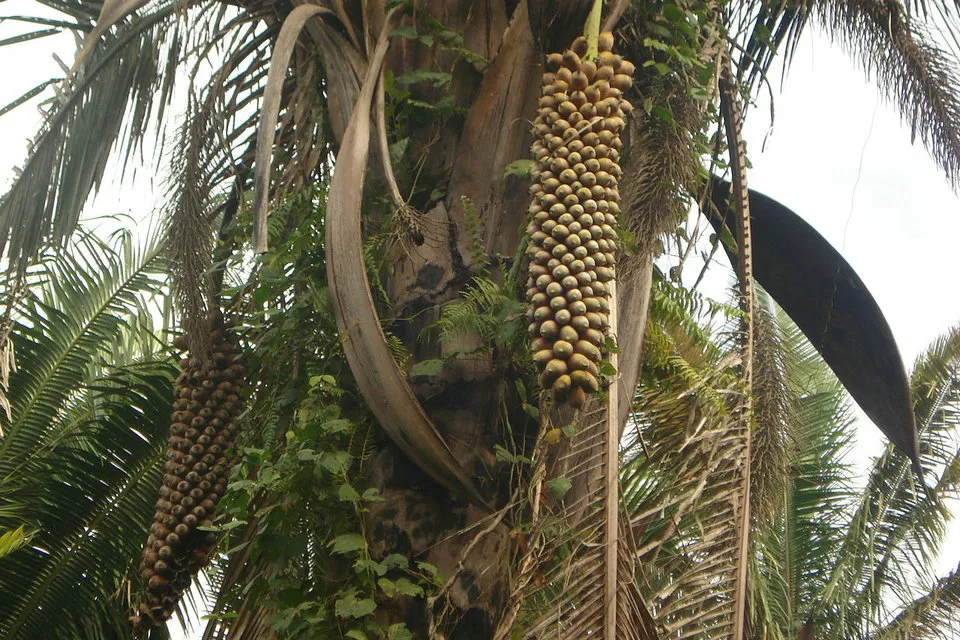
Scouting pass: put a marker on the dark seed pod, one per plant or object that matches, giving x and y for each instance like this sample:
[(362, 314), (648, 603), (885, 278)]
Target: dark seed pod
[(208, 397)]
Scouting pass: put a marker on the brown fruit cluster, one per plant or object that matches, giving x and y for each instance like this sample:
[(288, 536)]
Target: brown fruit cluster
[(199, 457), (573, 231)]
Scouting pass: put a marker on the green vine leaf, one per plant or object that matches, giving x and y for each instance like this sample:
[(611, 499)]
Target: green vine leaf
[(436, 78), (559, 487), (350, 606), (518, 168), (347, 493), (348, 543)]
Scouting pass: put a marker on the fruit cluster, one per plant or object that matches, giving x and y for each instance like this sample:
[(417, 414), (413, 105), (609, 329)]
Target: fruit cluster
[(199, 456), (573, 228)]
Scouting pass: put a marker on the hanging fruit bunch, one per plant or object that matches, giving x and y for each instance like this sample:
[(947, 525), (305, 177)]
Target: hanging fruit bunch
[(199, 456), (573, 231)]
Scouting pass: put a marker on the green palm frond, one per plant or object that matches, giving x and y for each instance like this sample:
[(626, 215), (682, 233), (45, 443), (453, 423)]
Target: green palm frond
[(13, 539), (80, 460), (798, 548), (90, 497), (900, 50), (934, 615), (62, 328), (896, 529)]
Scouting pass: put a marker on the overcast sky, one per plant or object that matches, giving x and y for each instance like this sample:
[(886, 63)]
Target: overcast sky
[(838, 156)]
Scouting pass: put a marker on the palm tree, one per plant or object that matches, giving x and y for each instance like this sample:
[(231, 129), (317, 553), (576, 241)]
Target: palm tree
[(464, 484)]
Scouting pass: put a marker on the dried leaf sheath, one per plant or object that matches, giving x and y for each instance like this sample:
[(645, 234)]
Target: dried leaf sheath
[(560, 590), (383, 385)]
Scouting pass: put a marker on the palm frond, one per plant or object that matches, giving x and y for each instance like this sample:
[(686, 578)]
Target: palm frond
[(81, 456), (892, 536), (914, 72), (798, 546), (65, 327), (90, 495), (123, 84), (13, 539), (932, 615), (683, 486)]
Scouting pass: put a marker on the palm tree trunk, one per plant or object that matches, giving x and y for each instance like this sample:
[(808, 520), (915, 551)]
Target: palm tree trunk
[(430, 266)]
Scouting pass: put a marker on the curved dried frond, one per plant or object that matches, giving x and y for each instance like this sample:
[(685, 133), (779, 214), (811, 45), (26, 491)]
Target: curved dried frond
[(292, 26), (383, 385)]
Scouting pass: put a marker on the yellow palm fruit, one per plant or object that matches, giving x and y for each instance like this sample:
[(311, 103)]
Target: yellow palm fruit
[(573, 225)]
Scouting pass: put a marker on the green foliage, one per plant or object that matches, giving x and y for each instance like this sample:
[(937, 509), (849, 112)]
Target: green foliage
[(80, 459), (488, 311), (14, 539), (294, 513), (672, 54)]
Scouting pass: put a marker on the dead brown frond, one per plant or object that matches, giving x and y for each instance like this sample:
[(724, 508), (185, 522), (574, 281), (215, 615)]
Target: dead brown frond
[(365, 346), (560, 589), (283, 49)]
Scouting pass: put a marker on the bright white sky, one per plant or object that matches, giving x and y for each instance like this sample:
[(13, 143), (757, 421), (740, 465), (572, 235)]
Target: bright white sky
[(838, 156)]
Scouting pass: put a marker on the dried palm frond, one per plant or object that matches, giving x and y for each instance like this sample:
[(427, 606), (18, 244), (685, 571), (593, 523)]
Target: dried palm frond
[(686, 505), (266, 133), (82, 127), (576, 576), (382, 384)]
